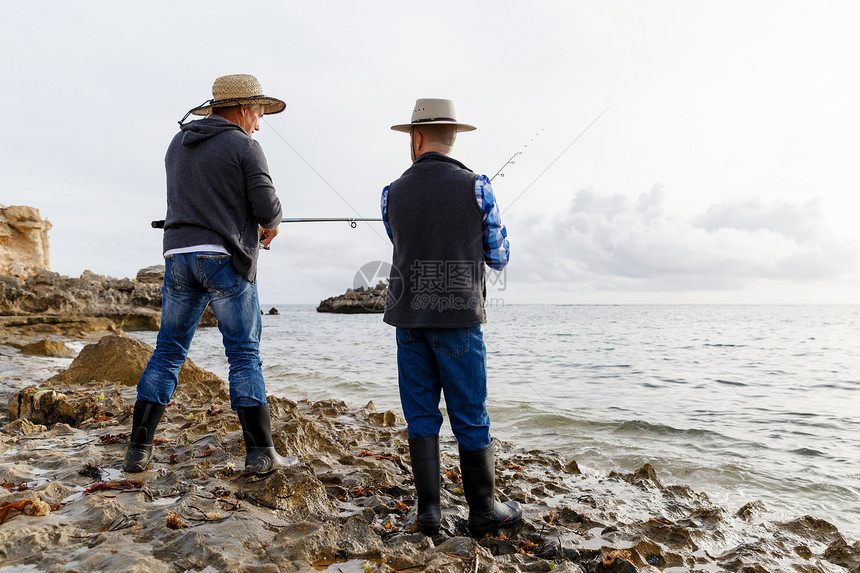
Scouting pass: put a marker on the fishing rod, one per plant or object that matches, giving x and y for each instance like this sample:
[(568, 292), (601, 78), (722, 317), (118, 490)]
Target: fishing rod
[(508, 162), (353, 221), (511, 160)]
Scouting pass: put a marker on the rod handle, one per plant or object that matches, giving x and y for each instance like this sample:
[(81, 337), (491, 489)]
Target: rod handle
[(158, 224)]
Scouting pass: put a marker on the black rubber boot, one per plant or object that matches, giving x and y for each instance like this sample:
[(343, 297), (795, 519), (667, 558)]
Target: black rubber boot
[(260, 454), (424, 453), (478, 469), (145, 419)]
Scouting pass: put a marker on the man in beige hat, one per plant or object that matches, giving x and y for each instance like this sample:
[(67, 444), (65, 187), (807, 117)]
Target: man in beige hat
[(221, 205), (445, 226)]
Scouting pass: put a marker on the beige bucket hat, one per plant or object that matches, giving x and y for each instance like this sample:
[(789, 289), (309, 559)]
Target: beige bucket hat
[(433, 111), (238, 89)]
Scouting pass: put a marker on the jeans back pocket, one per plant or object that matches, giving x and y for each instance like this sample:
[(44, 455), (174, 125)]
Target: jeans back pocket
[(451, 341), (218, 275)]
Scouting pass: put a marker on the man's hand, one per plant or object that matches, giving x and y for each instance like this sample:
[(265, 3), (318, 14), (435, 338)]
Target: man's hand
[(266, 236)]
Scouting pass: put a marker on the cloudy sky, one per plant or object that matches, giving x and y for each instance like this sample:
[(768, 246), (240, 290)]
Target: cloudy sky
[(724, 167)]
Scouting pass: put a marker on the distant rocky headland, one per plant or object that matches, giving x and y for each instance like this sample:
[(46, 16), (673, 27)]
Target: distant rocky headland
[(361, 300)]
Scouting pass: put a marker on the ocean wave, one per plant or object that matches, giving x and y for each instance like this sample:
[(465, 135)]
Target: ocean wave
[(729, 382), (648, 428)]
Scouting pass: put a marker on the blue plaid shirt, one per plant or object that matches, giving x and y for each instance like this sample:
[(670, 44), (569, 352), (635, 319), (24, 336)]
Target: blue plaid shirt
[(497, 250)]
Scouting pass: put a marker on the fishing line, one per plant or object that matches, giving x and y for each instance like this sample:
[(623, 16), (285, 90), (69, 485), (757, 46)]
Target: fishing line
[(547, 168), (560, 155), (330, 186)]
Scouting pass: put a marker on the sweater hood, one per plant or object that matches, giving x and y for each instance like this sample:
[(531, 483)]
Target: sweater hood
[(196, 132)]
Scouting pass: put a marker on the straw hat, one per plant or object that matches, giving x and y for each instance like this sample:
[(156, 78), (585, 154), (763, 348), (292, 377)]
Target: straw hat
[(238, 89), (433, 111)]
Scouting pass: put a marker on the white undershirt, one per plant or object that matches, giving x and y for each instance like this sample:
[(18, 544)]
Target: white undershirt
[(197, 249)]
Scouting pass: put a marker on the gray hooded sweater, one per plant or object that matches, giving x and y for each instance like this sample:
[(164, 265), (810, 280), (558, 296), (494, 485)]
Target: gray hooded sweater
[(218, 191)]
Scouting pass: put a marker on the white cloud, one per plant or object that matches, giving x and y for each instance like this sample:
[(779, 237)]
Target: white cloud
[(613, 242)]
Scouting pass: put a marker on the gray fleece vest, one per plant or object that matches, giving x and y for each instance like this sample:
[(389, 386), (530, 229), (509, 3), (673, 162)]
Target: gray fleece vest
[(438, 280)]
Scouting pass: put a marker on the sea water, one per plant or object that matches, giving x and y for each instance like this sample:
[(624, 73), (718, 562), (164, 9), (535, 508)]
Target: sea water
[(742, 403)]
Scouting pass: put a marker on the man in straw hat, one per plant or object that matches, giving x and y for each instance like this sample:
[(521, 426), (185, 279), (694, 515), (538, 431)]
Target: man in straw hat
[(445, 226), (221, 205)]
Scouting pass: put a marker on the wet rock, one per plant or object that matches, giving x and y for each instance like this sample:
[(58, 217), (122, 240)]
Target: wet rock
[(503, 546), (309, 541), (127, 559), (653, 552), (47, 406), (567, 567), (616, 566), (54, 492), (25, 427), (274, 311), (843, 554), (644, 476), (403, 553), (167, 484), (329, 408), (51, 348), (189, 549), (750, 510), (295, 491), (670, 534), (812, 528), (748, 558), (456, 553)]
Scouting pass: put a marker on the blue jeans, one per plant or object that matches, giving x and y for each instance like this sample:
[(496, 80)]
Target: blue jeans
[(191, 281), (450, 360)]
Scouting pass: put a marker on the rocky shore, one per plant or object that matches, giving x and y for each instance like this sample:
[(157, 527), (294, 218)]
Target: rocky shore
[(65, 504)]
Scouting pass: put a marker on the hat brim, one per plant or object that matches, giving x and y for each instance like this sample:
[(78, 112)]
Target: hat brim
[(407, 127), (271, 105)]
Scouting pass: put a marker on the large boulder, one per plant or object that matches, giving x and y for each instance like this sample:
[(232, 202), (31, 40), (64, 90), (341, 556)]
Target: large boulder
[(118, 359), (115, 361), (52, 348)]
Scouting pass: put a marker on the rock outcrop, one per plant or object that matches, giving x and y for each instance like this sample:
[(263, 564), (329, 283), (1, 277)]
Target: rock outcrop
[(361, 300), (34, 300), (95, 380), (23, 241), (52, 348), (47, 292), (51, 302)]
